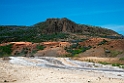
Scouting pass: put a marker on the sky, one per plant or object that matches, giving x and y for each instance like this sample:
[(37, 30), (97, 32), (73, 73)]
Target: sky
[(104, 13)]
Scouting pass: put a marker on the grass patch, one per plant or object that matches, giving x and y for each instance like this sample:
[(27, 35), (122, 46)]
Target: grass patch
[(90, 60), (118, 65), (113, 64), (75, 50), (115, 53), (122, 59), (104, 63), (67, 55)]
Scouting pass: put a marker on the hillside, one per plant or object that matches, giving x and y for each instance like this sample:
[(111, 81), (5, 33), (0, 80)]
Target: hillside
[(54, 25), (53, 29), (103, 50), (62, 37)]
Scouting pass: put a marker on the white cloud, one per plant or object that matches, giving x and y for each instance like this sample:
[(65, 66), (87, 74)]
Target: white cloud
[(117, 28)]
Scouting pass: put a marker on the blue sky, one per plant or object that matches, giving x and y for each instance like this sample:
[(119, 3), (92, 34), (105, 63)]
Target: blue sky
[(104, 13)]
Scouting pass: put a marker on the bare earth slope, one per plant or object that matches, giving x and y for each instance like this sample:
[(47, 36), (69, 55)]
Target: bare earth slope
[(103, 50)]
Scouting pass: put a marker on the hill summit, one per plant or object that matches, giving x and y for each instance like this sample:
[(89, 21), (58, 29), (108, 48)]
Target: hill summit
[(55, 25)]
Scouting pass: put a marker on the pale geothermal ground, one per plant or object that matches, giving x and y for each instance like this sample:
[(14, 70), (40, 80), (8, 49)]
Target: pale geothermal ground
[(57, 70)]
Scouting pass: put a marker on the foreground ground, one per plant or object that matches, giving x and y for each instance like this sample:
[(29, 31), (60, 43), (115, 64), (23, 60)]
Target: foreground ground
[(13, 73)]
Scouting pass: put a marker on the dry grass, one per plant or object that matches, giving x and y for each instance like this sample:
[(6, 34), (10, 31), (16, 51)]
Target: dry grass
[(99, 59)]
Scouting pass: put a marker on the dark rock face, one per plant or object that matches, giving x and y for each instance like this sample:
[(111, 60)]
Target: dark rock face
[(60, 25)]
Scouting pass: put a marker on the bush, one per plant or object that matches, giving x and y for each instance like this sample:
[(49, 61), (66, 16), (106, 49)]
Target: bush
[(103, 42), (6, 50), (76, 49), (104, 63), (67, 55), (40, 47), (116, 64), (121, 59)]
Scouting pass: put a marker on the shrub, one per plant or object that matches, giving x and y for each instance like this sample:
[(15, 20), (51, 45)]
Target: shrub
[(121, 59), (103, 42), (6, 50), (74, 46), (40, 47), (67, 55), (122, 66), (76, 49), (116, 64), (104, 63)]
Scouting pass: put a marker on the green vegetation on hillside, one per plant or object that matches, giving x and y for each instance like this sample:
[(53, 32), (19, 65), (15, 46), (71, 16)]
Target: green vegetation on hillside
[(30, 34), (40, 47), (76, 49), (51, 29), (104, 63), (122, 59), (115, 53), (5, 50), (103, 42)]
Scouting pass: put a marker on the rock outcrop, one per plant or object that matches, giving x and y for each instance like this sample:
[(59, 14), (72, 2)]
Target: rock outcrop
[(55, 25)]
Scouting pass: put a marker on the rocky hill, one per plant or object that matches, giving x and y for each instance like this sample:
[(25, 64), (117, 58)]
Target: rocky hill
[(53, 29), (65, 25)]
